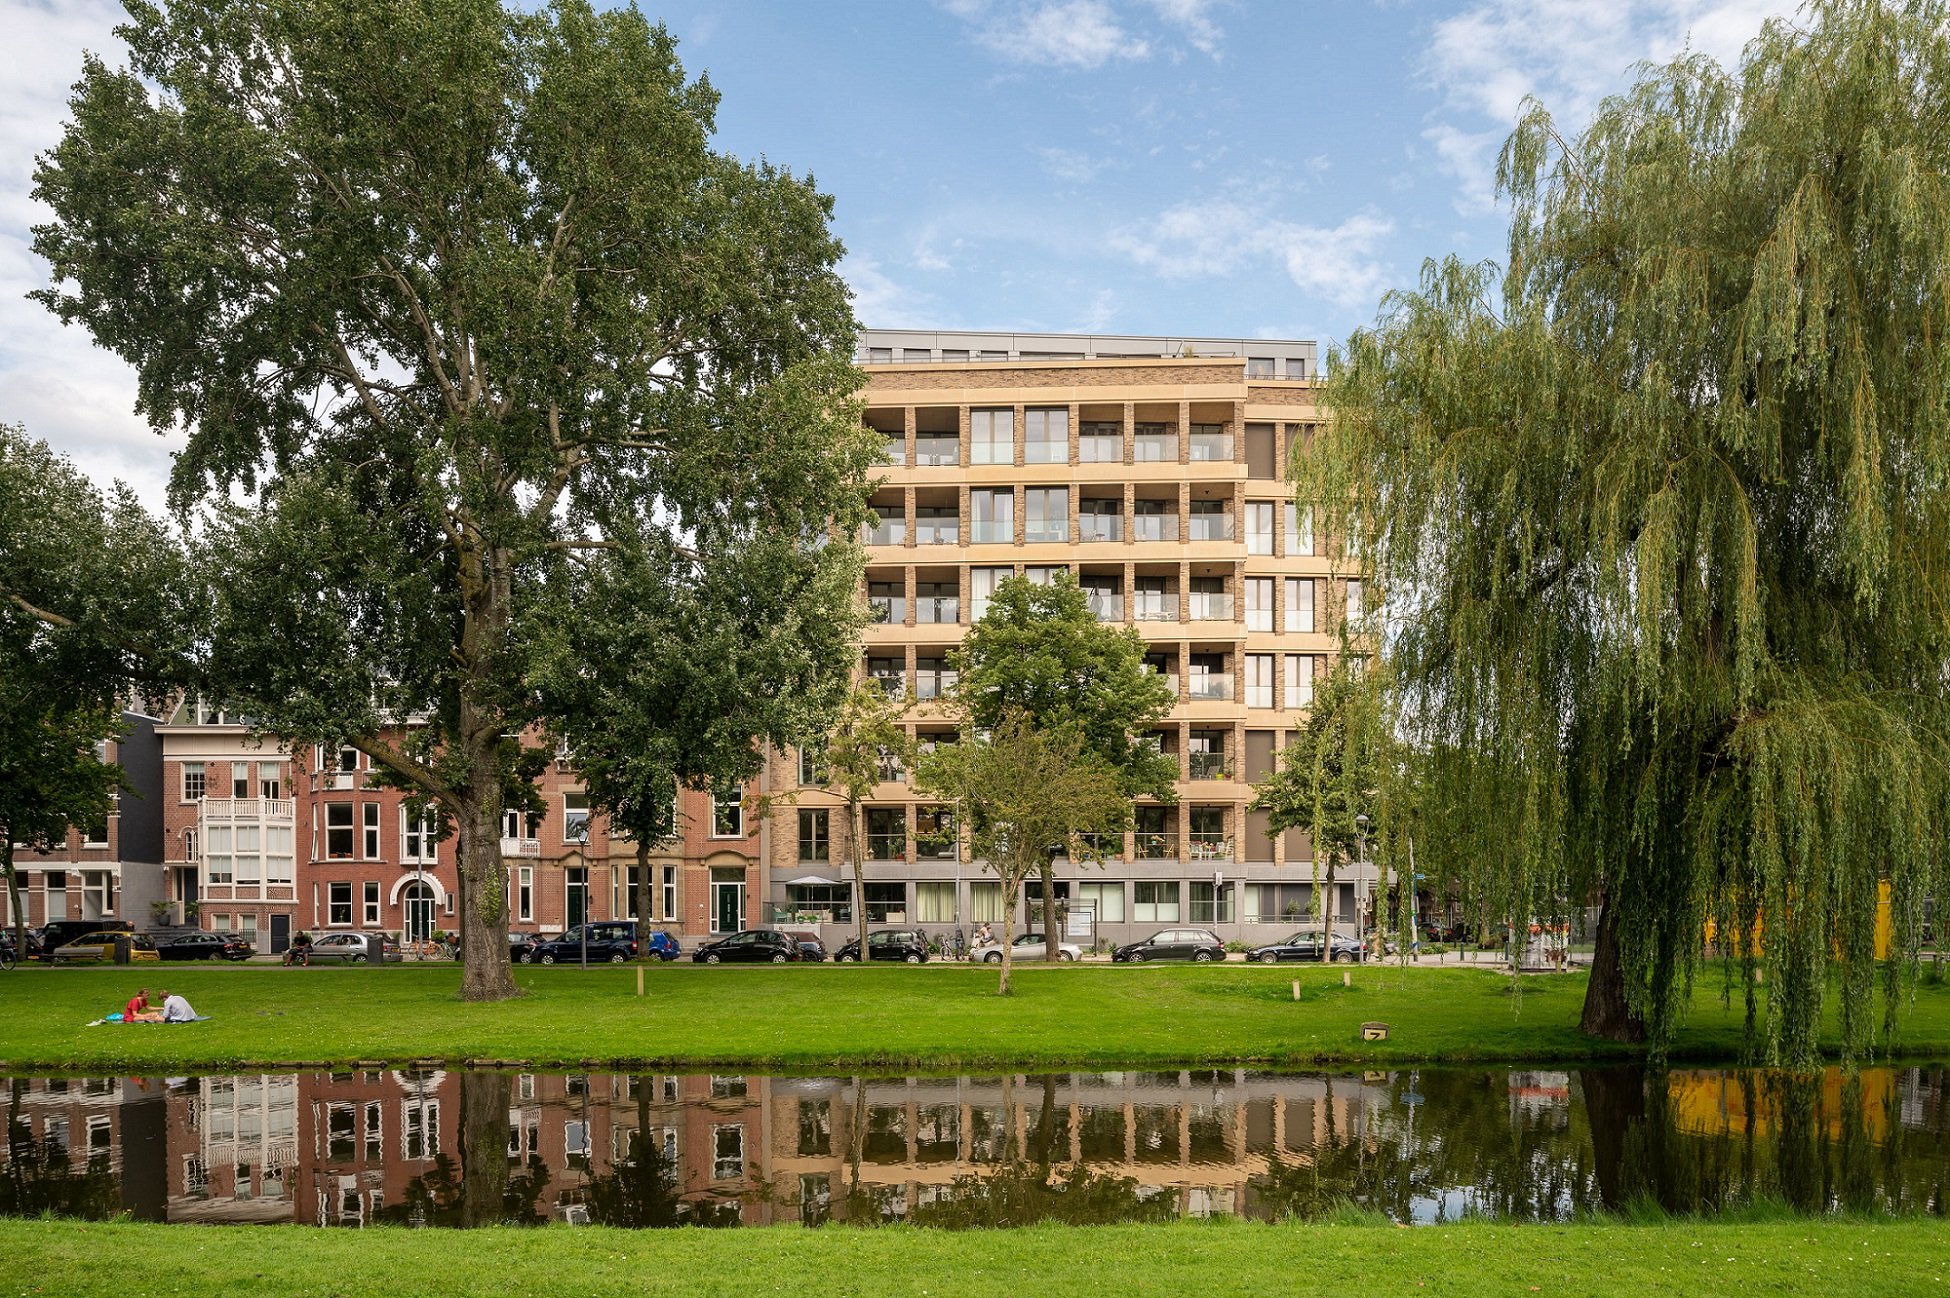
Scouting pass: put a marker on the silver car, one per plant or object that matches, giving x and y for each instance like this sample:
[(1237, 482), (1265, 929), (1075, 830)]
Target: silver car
[(1027, 946)]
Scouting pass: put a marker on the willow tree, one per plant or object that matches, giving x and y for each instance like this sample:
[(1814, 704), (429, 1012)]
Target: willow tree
[(1666, 524), (445, 295)]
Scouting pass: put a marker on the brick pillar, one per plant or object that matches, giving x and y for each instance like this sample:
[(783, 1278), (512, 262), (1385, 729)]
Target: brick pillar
[(1130, 593), (1130, 423), (1129, 527), (1184, 591), (1018, 434), (1184, 432), (907, 504), (907, 589), (908, 433)]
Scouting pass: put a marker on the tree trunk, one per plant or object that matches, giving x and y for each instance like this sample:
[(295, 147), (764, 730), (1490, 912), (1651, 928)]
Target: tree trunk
[(483, 1143), (1052, 934), (859, 836), (644, 895), (487, 599), (1008, 933), (1327, 916), (1606, 1013), (13, 896)]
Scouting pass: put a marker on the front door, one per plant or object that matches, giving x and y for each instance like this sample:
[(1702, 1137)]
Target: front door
[(419, 912), (728, 904), (280, 933), (578, 895)]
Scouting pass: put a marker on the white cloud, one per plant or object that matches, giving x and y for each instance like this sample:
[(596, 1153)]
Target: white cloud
[(54, 380), (1228, 236), (1082, 34), (1070, 165), (880, 302), (1569, 54), (1194, 18)]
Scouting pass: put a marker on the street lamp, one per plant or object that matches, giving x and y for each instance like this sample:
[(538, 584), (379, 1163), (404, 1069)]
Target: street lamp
[(581, 835)]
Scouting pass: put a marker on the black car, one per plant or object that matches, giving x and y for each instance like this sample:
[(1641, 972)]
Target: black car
[(810, 947), (57, 933), (610, 940), (908, 945), (1306, 946), (1194, 944), (749, 946), (205, 946)]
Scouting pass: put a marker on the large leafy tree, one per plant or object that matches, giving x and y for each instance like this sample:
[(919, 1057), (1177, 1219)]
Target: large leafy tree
[(1667, 527), (1026, 791), (1040, 654), (118, 577), (447, 295)]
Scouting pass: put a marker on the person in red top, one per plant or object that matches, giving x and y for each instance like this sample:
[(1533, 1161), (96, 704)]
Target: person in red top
[(138, 1011)]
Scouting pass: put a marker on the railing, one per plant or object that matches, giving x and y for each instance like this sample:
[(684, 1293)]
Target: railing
[(1211, 527), (896, 451), (1100, 527), (937, 451), (1210, 607), (1108, 605), (1211, 689), (1046, 452), (1152, 606), (1211, 446), (1100, 449), (521, 847), (937, 608), (887, 610), (1154, 527), (994, 532), (1208, 766), (1055, 530), (1156, 847), (892, 531), (937, 531), (247, 808), (1154, 448)]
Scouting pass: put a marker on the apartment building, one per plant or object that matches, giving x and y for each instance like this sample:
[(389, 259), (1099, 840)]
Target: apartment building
[(1153, 471), (119, 872)]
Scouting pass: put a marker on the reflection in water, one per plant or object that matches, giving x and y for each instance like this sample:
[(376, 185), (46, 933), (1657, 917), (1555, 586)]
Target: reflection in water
[(456, 1148)]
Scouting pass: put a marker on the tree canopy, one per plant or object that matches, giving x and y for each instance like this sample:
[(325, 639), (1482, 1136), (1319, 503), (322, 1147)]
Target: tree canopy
[(449, 297), (1664, 514)]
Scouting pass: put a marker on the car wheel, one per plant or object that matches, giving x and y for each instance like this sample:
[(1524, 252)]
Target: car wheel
[(1068, 958), (528, 957), (1201, 957), (779, 958), (1136, 957), (847, 959), (1344, 957), (711, 957), (914, 959), (358, 959), (993, 957), (547, 958), (616, 957)]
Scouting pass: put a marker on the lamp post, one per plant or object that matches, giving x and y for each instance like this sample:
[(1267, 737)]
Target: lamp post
[(581, 835), (1361, 840)]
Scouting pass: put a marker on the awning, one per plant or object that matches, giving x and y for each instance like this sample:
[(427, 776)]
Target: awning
[(805, 880)]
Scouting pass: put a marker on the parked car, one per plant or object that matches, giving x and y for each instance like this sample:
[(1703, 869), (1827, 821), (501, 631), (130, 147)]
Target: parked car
[(1195, 944), (354, 948), (519, 942), (1027, 946), (908, 945), (664, 946), (100, 948), (205, 946), (749, 946), (810, 947), (610, 940), (1305, 945), (33, 941), (57, 933)]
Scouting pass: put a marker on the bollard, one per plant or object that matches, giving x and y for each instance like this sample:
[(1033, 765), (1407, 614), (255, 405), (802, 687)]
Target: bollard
[(639, 980), (1347, 978), (1296, 989)]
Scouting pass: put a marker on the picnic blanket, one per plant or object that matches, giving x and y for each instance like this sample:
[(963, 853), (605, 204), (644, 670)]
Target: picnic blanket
[(117, 1018)]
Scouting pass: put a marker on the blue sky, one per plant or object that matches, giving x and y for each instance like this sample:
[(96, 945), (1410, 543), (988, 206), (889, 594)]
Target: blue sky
[(1217, 167)]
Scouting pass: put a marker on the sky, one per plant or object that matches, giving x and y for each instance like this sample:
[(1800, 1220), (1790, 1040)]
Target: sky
[(1225, 168)]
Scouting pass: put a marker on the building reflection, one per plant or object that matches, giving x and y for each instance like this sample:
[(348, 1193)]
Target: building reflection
[(449, 1147)]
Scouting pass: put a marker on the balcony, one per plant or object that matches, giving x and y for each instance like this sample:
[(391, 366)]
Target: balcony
[(1045, 451), (1156, 847), (1208, 606), (1212, 527), (996, 532), (247, 808), (527, 848), (1154, 527), (886, 846), (1154, 448), (937, 608), (896, 452), (892, 531), (1100, 527), (937, 531), (933, 685), (1207, 447), (1155, 606), (1100, 448), (1211, 689), (1108, 605), (1208, 766), (1210, 847), (937, 451), (886, 610)]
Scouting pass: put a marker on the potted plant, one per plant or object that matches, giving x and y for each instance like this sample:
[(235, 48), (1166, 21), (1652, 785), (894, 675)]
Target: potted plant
[(167, 912)]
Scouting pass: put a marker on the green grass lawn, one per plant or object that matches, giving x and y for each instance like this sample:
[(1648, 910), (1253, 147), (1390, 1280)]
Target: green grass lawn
[(1835, 1259), (938, 1018)]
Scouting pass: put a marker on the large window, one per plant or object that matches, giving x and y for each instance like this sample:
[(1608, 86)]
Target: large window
[(727, 1152), (815, 838), (992, 516), (218, 855), (1211, 903), (1259, 680), (1108, 898), (981, 588), (827, 903), (1046, 514), (810, 770), (240, 779), (338, 831), (728, 814), (279, 860), (525, 893), (934, 833), (1259, 603), (933, 678), (372, 904), (1259, 527), (1155, 901), (1356, 606), (991, 437), (1299, 530), (1100, 443), (1046, 436), (575, 817), (934, 903), (270, 780), (1299, 680), (339, 904), (418, 835), (984, 903), (1299, 604), (250, 859), (886, 903), (369, 839), (193, 778), (886, 833)]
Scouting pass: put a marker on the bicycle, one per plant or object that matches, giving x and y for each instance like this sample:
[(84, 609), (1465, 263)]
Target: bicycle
[(6, 957)]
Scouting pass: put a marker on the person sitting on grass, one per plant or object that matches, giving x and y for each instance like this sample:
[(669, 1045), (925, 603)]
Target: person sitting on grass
[(176, 1010), (138, 1011)]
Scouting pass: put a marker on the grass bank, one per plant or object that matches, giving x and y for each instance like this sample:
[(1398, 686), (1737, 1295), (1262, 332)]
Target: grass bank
[(765, 1019), (1833, 1259)]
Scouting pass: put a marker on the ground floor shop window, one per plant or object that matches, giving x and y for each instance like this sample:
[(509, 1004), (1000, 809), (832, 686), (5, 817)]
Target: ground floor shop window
[(1156, 902), (1107, 898), (934, 903), (886, 903)]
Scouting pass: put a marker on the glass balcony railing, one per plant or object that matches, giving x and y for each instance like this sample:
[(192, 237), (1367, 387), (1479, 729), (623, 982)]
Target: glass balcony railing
[(1207, 607), (1208, 766), (1100, 449), (896, 452), (1210, 847), (937, 608), (1041, 451), (886, 847), (1100, 527), (937, 451), (937, 531), (1108, 605), (892, 531), (1156, 847), (1211, 527), (1211, 689), (1154, 527), (887, 610), (1154, 448), (1155, 606), (1211, 446), (1056, 530), (994, 533)]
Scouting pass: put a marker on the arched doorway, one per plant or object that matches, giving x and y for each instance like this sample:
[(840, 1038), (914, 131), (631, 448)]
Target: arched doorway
[(418, 902)]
